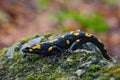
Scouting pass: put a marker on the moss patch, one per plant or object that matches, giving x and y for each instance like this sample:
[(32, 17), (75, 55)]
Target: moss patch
[(79, 65)]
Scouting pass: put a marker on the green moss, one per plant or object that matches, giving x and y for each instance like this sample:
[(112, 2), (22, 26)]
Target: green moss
[(68, 66), (111, 1), (3, 51), (43, 3), (94, 21), (115, 71)]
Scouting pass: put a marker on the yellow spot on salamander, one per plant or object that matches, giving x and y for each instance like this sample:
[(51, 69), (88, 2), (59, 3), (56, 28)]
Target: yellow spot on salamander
[(30, 50), (78, 40), (76, 34), (88, 35), (104, 48), (36, 47), (63, 36), (99, 40), (54, 40), (107, 53), (68, 42), (71, 32), (50, 48)]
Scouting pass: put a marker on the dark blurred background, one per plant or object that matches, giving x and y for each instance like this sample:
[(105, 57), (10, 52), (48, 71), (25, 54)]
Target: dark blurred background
[(20, 18)]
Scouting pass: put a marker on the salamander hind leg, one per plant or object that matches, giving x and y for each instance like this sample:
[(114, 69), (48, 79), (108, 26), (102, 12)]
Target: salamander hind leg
[(93, 39), (96, 41)]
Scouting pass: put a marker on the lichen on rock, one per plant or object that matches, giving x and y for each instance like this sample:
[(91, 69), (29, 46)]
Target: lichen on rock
[(81, 64)]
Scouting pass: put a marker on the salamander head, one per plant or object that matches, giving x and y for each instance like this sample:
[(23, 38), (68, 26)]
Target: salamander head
[(42, 48)]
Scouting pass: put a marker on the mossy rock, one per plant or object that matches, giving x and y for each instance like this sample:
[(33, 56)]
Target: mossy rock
[(81, 64)]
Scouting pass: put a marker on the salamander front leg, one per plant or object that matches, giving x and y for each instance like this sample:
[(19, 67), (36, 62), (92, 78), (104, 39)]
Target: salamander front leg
[(58, 51), (74, 46)]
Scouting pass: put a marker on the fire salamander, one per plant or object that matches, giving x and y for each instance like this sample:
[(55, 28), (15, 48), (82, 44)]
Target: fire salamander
[(66, 42)]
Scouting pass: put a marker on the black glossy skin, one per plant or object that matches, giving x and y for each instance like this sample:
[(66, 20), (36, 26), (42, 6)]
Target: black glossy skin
[(69, 42)]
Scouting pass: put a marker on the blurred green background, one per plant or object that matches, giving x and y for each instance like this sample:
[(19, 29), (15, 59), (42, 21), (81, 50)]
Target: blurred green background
[(29, 17)]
